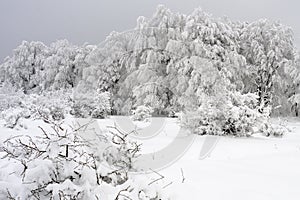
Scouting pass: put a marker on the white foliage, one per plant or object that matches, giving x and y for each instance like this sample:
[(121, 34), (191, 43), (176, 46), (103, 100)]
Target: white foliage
[(94, 104), (142, 113)]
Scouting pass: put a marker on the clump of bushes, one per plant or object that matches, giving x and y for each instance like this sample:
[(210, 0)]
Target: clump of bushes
[(10, 97), (142, 113), (53, 105), (95, 105), (237, 115)]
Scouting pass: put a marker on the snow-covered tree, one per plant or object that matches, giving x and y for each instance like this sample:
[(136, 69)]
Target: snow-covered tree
[(154, 64), (268, 48), (35, 67), (22, 69)]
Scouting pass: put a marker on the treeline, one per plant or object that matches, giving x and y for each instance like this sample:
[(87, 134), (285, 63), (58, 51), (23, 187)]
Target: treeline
[(170, 62)]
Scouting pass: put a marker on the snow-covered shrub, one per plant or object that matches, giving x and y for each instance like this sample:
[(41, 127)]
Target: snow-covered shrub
[(10, 102), (242, 115), (52, 105), (96, 105), (10, 97), (276, 130), (13, 117), (56, 113), (102, 105), (172, 113), (60, 164), (238, 116), (273, 127), (142, 113), (201, 121)]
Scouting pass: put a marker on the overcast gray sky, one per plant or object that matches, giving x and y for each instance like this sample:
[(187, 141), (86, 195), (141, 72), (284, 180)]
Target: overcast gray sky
[(90, 21)]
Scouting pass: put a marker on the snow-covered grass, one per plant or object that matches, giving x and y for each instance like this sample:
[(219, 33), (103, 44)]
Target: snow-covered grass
[(257, 167)]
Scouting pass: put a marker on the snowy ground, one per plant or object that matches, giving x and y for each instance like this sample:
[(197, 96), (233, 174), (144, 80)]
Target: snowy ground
[(241, 168), (237, 168)]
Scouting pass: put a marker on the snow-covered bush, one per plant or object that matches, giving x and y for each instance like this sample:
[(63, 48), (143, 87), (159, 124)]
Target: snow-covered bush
[(237, 117), (171, 113), (96, 105), (242, 115), (13, 117), (52, 105), (276, 130), (60, 164), (10, 97), (142, 113)]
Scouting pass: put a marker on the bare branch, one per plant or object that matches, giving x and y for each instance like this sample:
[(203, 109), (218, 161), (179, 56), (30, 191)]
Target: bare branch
[(183, 178), (167, 185), (160, 177), (120, 193)]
